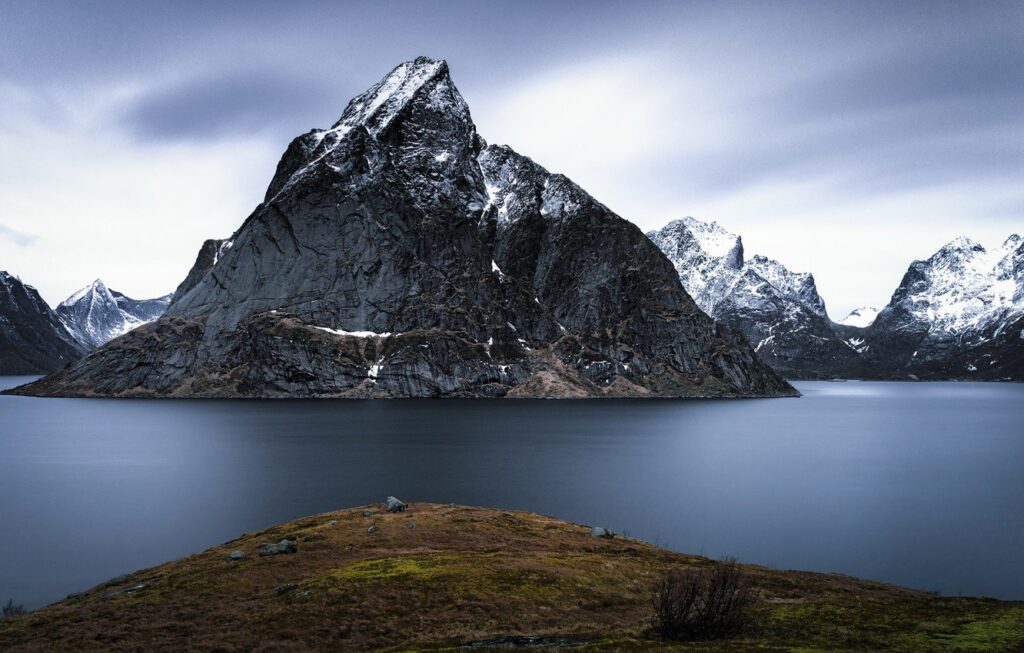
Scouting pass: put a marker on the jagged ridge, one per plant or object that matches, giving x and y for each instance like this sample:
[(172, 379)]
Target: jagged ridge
[(779, 311)]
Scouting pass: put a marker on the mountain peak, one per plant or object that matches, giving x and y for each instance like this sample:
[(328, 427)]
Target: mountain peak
[(961, 244), (862, 316), (377, 107)]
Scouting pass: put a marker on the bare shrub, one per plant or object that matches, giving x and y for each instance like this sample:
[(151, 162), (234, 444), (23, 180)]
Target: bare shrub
[(11, 610), (702, 604)]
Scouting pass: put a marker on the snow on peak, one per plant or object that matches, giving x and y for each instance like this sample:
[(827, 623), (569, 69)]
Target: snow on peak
[(95, 314), (861, 317), (378, 106), (421, 89), (711, 266), (708, 237), (963, 287), (95, 289), (797, 285)]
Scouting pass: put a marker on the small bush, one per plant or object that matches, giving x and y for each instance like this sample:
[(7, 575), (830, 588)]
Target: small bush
[(702, 604), (11, 610)]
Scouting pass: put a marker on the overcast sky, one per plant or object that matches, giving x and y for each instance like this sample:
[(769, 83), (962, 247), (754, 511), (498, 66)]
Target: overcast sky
[(844, 139)]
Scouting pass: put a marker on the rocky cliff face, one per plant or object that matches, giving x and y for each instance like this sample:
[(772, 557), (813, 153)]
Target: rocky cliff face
[(779, 311), (32, 338), (958, 314), (397, 255), (96, 315)]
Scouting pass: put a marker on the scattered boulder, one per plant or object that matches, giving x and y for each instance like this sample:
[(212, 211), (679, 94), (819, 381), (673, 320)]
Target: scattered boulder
[(333, 522), (284, 589), (372, 528), (133, 588), (367, 513), (236, 555), (394, 505), (284, 546), (600, 531)]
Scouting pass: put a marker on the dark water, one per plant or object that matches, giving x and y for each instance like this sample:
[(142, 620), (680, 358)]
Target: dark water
[(917, 484)]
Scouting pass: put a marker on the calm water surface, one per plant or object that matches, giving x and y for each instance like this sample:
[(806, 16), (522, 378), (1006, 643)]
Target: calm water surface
[(917, 484)]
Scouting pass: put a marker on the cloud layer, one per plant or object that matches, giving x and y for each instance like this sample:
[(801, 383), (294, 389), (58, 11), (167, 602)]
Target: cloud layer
[(842, 138)]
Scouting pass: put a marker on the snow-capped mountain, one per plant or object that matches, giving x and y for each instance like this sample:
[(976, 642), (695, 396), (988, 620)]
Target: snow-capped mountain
[(860, 317), (32, 338), (96, 315), (959, 313), (397, 254), (779, 311)]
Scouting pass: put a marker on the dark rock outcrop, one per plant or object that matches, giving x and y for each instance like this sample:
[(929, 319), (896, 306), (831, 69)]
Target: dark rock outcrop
[(397, 255), (32, 338)]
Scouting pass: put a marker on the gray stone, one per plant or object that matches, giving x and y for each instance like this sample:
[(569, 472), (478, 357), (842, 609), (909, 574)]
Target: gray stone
[(372, 528), (394, 505), (367, 513), (236, 555), (600, 531), (283, 547), (284, 589)]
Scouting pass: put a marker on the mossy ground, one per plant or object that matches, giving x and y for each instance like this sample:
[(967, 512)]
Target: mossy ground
[(438, 577)]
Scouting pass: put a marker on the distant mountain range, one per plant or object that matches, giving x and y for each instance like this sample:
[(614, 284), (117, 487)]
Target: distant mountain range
[(957, 315)]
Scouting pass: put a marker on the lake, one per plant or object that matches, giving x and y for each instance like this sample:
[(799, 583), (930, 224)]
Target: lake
[(920, 484)]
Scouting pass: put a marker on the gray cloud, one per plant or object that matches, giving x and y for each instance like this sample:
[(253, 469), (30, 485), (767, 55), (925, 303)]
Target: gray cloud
[(861, 102), (19, 238), (233, 104)]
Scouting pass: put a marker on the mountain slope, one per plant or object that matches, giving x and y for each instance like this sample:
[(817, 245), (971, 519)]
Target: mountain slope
[(958, 314), (779, 311), (32, 338), (396, 255), (95, 314)]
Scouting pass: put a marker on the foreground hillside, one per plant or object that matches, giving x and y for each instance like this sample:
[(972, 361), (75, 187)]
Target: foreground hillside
[(441, 577)]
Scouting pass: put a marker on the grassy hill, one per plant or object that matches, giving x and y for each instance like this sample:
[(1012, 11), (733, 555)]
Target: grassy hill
[(441, 577)]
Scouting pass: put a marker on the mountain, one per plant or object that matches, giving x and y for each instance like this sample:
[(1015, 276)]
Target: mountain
[(32, 338), (396, 254), (958, 314), (860, 317), (95, 314), (779, 311)]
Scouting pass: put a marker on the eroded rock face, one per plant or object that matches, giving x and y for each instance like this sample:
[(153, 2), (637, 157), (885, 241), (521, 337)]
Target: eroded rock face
[(397, 255), (32, 338)]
